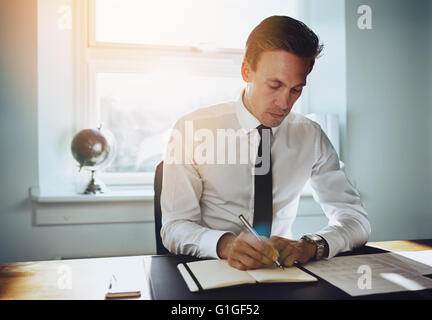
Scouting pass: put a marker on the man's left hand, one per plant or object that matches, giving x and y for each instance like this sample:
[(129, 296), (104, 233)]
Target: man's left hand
[(291, 251)]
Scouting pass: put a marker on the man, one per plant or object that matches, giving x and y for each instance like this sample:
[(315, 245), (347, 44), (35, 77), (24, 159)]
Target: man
[(201, 201)]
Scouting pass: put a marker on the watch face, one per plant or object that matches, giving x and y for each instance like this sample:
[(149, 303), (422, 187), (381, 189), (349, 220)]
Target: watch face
[(314, 237)]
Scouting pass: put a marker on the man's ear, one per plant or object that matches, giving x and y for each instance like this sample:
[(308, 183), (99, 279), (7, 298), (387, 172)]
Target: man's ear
[(246, 71)]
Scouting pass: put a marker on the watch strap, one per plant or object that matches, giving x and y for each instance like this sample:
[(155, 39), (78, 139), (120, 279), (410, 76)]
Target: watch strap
[(321, 244)]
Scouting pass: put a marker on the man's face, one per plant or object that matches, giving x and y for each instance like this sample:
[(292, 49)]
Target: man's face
[(275, 85)]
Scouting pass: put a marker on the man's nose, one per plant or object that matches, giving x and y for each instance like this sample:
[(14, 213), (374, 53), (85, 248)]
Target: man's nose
[(285, 105), (285, 101)]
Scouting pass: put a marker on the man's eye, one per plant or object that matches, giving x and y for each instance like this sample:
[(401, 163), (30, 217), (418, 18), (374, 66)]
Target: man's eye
[(274, 87), (296, 90)]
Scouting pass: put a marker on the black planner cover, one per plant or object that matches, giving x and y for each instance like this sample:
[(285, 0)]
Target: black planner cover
[(168, 284)]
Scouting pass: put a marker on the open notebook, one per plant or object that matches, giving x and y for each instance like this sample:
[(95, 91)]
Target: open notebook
[(210, 274)]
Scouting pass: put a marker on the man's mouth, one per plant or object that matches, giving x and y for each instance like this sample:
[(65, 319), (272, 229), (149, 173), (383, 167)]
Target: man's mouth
[(276, 115)]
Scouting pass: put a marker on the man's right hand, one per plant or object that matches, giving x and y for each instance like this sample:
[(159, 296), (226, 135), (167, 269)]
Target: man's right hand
[(245, 252)]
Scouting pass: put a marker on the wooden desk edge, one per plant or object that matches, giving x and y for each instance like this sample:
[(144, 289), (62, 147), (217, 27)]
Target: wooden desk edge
[(402, 245), (38, 279)]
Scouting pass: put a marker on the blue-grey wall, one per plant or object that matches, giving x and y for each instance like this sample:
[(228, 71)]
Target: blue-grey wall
[(18, 123), (388, 115), (429, 146)]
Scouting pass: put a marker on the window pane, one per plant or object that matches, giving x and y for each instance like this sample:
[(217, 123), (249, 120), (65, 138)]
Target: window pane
[(140, 110), (216, 23)]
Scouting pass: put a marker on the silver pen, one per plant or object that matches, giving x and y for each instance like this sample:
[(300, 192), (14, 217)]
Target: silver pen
[(252, 230)]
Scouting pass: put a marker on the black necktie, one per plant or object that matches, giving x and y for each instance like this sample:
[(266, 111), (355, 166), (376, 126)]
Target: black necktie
[(263, 208)]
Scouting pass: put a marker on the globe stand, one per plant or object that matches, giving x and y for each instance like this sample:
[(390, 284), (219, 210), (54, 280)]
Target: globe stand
[(93, 150), (92, 187)]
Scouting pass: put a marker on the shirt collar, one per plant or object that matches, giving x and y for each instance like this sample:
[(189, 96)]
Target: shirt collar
[(246, 119)]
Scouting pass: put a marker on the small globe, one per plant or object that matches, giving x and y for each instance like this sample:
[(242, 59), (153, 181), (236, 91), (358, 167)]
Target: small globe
[(94, 149)]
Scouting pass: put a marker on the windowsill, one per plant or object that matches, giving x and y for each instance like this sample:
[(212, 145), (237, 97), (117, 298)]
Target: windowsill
[(117, 194), (121, 205), (67, 207)]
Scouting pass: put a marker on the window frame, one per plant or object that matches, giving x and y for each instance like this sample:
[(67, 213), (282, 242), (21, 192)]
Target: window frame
[(93, 43), (95, 57)]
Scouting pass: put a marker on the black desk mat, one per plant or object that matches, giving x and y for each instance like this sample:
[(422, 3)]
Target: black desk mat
[(167, 284)]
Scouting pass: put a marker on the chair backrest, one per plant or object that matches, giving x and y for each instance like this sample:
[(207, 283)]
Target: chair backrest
[(160, 248)]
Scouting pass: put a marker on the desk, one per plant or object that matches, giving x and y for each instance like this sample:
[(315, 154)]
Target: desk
[(87, 279)]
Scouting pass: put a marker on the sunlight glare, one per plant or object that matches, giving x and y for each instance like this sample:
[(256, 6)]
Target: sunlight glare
[(222, 23)]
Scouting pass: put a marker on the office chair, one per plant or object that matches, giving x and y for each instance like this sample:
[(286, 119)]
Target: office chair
[(160, 248)]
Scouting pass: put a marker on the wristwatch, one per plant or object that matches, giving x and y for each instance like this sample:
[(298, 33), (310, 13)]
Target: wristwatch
[(321, 244)]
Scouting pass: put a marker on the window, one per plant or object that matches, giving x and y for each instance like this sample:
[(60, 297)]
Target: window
[(149, 62)]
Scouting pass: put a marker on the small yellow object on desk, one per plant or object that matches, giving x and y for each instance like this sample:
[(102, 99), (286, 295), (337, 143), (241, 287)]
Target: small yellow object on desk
[(120, 290)]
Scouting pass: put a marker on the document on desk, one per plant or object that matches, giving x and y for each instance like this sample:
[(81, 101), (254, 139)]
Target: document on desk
[(373, 273), (423, 256)]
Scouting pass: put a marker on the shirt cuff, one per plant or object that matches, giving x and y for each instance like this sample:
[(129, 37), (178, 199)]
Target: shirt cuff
[(208, 243), (333, 241)]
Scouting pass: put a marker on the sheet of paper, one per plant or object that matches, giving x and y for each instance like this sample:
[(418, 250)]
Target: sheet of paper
[(373, 273), (424, 257)]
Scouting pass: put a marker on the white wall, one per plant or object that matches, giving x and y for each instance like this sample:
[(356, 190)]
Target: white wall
[(325, 91), (37, 104), (55, 85), (327, 81)]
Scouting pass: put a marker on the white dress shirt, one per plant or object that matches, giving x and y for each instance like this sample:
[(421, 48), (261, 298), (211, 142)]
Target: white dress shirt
[(202, 199)]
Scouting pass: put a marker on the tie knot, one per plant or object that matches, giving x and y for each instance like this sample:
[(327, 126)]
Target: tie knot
[(262, 127)]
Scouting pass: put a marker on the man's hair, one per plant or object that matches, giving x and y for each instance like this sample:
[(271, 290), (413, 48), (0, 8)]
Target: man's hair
[(282, 33)]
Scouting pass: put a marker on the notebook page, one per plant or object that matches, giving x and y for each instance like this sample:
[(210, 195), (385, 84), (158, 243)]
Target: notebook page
[(218, 273), (292, 274)]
